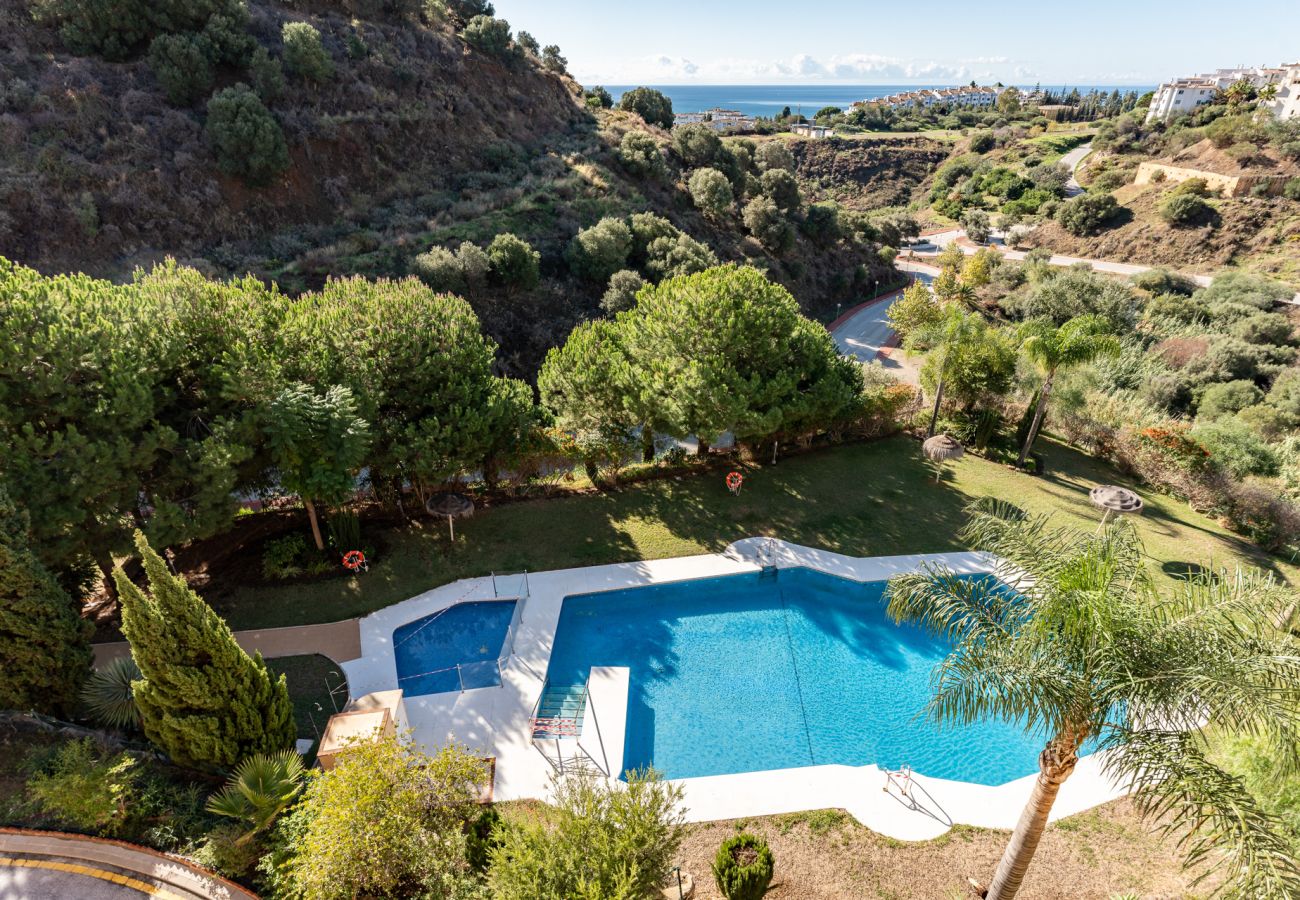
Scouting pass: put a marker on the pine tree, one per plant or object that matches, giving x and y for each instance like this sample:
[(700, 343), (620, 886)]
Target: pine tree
[(43, 642), (202, 699)]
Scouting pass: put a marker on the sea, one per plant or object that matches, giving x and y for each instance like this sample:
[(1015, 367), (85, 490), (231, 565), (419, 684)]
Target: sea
[(770, 99)]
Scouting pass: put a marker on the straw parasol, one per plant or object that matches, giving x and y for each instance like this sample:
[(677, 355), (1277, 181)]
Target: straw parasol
[(940, 449), (1115, 499), (453, 506)]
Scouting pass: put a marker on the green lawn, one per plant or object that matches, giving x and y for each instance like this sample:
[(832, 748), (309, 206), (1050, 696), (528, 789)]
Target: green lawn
[(864, 500), (310, 679)]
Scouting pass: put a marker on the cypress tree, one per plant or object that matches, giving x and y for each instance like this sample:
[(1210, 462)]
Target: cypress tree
[(44, 644), (202, 699)]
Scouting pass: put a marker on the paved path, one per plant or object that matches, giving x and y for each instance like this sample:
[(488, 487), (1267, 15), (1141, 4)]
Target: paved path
[(1071, 162), (866, 335), (50, 864), (340, 641)]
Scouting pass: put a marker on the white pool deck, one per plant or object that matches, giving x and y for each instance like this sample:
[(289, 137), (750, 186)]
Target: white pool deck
[(496, 720)]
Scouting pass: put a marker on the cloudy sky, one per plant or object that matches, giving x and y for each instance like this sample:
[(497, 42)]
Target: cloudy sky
[(872, 42)]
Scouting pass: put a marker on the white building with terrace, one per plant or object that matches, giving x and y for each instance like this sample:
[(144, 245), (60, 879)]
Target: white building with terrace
[(1184, 95)]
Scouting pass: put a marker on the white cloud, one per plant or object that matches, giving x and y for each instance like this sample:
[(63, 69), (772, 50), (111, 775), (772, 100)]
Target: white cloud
[(856, 67)]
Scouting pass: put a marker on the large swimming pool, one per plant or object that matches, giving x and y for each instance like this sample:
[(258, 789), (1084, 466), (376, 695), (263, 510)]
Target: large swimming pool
[(747, 673)]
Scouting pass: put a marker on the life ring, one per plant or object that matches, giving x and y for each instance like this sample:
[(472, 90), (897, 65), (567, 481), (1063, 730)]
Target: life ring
[(354, 560), (734, 481)]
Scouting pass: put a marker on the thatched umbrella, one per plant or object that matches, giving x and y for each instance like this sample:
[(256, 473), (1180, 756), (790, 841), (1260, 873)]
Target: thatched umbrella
[(1114, 499), (453, 506), (940, 449)]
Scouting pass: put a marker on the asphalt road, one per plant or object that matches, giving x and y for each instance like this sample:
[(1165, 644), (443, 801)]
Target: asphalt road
[(45, 884), (1071, 162), (864, 335)]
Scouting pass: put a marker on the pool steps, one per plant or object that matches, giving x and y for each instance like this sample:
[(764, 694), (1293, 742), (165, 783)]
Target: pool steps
[(560, 711)]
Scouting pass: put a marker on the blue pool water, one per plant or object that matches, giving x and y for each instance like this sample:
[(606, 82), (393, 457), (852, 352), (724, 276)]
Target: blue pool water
[(457, 647), (747, 673)]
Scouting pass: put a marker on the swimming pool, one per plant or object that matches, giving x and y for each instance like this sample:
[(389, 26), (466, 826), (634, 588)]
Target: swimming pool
[(454, 648), (747, 673)]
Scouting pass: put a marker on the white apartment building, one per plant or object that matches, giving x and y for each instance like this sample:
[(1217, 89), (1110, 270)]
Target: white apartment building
[(959, 96), (718, 119), (1183, 95)]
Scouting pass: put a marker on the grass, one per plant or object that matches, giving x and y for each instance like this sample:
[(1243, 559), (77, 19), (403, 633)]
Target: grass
[(872, 499), (310, 679)]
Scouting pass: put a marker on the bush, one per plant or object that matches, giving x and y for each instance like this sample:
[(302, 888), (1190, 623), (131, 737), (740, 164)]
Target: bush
[(821, 224), (514, 264), (982, 142), (552, 60), (1185, 209), (596, 253), (782, 188), (743, 867), (639, 154), (245, 137), (179, 63), (670, 257), (596, 97), (488, 34), (1226, 399), (605, 841), (267, 74), (1087, 214), (1193, 187), (86, 789), (711, 192), (283, 557), (773, 154), (225, 37), (650, 105), (976, 223), (1235, 449), (764, 220), (1162, 281), (622, 291), (696, 145), (1291, 190), (304, 55), (1271, 329)]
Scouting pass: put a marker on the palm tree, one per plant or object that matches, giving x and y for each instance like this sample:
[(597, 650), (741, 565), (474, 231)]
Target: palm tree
[(944, 338), (1085, 650), (263, 787), (1078, 341), (109, 695)]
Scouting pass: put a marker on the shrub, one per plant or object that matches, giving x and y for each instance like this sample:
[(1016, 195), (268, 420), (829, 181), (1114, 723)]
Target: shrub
[(743, 867), (552, 60), (597, 97), (782, 188), (773, 154), (225, 37), (488, 34), (283, 557), (1292, 189), (639, 154), (179, 63), (982, 142), (711, 192), (440, 270), (304, 55), (650, 105), (109, 697), (696, 145), (914, 311), (514, 264), (1087, 214), (245, 137), (976, 223), (1235, 449), (604, 841), (85, 788), (1194, 187), (821, 224), (764, 220), (1162, 281), (670, 257), (267, 75), (1185, 209), (1227, 398), (622, 290), (596, 253), (1273, 329)]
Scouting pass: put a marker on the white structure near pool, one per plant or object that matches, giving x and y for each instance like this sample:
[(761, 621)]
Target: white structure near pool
[(764, 679)]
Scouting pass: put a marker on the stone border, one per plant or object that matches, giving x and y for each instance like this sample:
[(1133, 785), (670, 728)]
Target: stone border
[(495, 721), (174, 873)]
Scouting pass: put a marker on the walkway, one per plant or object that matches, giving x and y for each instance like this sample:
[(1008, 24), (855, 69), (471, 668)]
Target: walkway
[(340, 641), (1071, 162), (866, 335), (52, 864)]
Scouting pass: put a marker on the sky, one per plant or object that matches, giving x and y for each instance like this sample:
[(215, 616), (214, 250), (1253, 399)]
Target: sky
[(871, 42)]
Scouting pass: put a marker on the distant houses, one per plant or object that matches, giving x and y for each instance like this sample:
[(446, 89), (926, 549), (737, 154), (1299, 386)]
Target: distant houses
[(928, 97), (816, 132), (1184, 95), (718, 119)]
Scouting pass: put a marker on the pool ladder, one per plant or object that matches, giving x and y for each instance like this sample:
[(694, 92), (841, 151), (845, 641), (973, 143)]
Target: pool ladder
[(559, 712), (767, 558)]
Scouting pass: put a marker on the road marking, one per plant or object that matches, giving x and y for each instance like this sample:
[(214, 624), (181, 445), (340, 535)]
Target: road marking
[(103, 875)]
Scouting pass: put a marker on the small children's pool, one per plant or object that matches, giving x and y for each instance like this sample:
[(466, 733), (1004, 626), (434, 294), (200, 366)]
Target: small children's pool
[(453, 649), (753, 672)]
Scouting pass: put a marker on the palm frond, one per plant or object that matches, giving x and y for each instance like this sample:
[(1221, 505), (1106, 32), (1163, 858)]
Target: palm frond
[(988, 677), (951, 605), (109, 696), (1176, 785), (262, 787)]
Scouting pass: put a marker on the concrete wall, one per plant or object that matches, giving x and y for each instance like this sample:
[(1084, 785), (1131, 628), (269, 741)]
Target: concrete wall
[(1226, 185)]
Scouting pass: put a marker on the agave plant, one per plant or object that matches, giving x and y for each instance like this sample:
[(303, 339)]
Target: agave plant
[(262, 787), (109, 697)]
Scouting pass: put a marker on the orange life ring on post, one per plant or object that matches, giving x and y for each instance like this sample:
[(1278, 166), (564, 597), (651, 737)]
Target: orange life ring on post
[(734, 481), (354, 560)]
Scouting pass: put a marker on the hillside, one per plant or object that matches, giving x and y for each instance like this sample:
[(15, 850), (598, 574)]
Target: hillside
[(867, 173)]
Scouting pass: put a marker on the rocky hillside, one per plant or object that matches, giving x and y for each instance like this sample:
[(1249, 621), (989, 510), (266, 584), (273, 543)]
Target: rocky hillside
[(101, 173), (867, 173)]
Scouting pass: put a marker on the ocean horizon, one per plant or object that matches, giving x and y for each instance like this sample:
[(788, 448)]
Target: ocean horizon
[(770, 99)]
